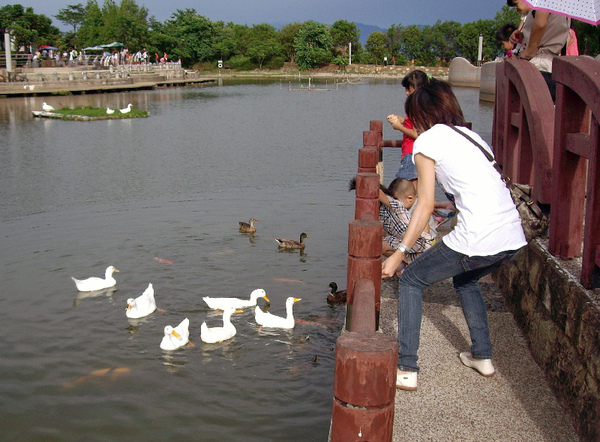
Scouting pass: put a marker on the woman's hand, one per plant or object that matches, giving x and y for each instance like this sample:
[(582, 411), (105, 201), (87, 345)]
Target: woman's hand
[(390, 265)]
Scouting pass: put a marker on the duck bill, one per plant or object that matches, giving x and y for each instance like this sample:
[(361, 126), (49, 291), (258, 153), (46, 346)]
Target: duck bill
[(297, 299), (174, 333), (266, 298)]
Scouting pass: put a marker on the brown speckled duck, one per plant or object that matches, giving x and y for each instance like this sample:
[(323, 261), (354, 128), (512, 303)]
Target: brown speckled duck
[(336, 295), (292, 244), (249, 226)]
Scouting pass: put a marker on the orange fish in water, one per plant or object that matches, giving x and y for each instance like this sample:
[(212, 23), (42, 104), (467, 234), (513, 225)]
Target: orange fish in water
[(302, 321), (164, 261), (110, 374), (288, 280)]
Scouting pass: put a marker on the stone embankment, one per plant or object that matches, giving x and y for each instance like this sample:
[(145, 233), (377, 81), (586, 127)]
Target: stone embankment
[(91, 79)]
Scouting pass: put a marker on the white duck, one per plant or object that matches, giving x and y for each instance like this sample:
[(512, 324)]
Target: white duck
[(93, 283), (110, 111), (126, 110), (267, 319), (47, 107), (223, 303), (219, 334), (143, 305), (176, 337)]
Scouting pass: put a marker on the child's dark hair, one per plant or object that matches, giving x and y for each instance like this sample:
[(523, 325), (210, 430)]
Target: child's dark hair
[(504, 33), (399, 186), (434, 103), (414, 79)]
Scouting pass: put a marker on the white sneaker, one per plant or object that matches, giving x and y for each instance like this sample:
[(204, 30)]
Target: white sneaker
[(483, 366), (406, 380)]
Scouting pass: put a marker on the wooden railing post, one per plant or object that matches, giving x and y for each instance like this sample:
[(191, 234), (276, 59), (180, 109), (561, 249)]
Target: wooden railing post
[(364, 387), (577, 165)]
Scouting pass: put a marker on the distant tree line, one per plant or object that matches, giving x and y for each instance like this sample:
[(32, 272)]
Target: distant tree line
[(200, 42)]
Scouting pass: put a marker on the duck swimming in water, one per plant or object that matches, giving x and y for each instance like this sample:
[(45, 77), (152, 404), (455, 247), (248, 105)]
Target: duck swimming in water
[(249, 226), (267, 319), (93, 283), (292, 244), (235, 303), (143, 305), (336, 295), (176, 337)]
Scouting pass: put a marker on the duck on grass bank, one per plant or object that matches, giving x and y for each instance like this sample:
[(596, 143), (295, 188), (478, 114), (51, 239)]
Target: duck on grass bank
[(93, 283), (212, 335), (267, 319), (292, 244), (177, 337), (249, 226), (235, 303)]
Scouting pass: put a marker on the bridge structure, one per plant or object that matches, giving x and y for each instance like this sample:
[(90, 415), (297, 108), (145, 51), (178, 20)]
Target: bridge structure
[(551, 289)]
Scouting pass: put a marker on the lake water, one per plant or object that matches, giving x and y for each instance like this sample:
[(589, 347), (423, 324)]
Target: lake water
[(160, 199)]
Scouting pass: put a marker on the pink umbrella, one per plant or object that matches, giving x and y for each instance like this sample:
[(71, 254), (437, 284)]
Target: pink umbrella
[(582, 10)]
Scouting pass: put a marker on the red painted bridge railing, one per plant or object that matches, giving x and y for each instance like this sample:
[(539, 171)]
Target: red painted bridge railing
[(556, 149)]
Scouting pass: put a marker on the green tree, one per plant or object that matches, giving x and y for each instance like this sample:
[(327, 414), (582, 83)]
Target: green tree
[(287, 40), (343, 33), (313, 45), (412, 43), (467, 40), (588, 38), (72, 15), (125, 22), (507, 15), (394, 39), (223, 41), (263, 44), (376, 46), (442, 37), (89, 33), (26, 27), (191, 34)]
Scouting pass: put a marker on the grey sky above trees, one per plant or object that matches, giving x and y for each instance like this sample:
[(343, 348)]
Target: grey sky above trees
[(382, 13)]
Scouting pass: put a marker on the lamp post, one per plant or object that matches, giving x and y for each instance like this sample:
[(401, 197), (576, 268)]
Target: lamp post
[(480, 50), (8, 55)]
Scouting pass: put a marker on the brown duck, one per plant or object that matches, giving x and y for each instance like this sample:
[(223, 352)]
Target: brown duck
[(292, 244), (336, 295), (249, 226)]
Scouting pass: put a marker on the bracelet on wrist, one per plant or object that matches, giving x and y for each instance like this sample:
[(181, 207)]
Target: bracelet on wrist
[(403, 248)]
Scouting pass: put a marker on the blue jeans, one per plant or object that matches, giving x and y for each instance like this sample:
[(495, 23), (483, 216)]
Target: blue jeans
[(407, 169), (436, 264)]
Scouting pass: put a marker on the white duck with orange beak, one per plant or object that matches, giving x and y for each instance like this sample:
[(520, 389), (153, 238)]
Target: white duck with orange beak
[(176, 337)]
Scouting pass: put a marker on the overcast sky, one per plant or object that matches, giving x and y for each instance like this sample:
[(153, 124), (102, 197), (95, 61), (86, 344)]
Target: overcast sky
[(382, 13)]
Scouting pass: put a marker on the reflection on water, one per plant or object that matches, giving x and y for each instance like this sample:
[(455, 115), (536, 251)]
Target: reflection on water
[(160, 198)]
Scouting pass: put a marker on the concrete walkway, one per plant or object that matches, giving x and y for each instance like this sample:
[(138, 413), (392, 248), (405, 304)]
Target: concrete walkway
[(454, 402)]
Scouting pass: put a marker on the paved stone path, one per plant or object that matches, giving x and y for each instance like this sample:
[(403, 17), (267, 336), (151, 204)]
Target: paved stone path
[(454, 402)]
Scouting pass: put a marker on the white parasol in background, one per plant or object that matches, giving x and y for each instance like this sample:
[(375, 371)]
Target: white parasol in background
[(583, 10)]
